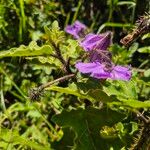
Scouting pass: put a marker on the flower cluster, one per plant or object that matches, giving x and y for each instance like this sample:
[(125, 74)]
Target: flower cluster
[(100, 64)]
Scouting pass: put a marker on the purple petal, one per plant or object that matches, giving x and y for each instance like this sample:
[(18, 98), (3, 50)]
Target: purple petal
[(94, 69), (121, 73), (97, 70), (90, 41), (96, 41), (77, 29), (117, 73), (87, 67)]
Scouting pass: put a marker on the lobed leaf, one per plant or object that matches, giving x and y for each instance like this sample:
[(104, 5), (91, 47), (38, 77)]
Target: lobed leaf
[(31, 50)]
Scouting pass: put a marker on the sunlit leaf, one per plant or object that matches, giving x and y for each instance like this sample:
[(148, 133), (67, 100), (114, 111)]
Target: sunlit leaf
[(71, 92), (135, 104), (122, 89), (91, 94), (145, 49), (31, 50)]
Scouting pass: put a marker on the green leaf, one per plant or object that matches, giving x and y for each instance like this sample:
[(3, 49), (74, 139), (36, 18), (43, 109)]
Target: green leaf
[(146, 36), (145, 49), (147, 73), (36, 134), (99, 95), (70, 91), (92, 94), (134, 127), (132, 104), (54, 34), (89, 84), (31, 50), (122, 89), (71, 49), (93, 88), (55, 25), (87, 125), (133, 48), (126, 131)]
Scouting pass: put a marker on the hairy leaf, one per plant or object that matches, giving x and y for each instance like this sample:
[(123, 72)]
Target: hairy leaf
[(31, 50), (132, 104), (92, 95)]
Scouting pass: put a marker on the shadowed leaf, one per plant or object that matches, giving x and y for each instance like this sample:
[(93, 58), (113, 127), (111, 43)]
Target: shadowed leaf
[(87, 125)]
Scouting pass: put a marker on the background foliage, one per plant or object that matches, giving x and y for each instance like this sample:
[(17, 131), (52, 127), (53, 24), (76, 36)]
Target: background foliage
[(81, 113)]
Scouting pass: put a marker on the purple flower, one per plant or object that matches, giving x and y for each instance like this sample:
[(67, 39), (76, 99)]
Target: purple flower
[(97, 70), (96, 41), (100, 64), (77, 29)]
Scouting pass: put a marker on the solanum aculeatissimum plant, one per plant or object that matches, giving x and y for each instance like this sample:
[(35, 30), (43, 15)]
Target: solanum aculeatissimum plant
[(87, 117)]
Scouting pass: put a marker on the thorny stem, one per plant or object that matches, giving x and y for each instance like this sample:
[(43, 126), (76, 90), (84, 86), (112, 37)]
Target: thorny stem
[(142, 117), (35, 93), (60, 57), (55, 81)]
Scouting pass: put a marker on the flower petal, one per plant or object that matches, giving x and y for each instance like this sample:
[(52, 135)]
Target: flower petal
[(87, 67), (121, 73), (95, 69), (96, 41)]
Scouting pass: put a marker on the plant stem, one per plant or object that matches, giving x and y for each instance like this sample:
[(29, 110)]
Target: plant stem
[(110, 10), (55, 81), (60, 57), (22, 19), (2, 95), (77, 11)]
